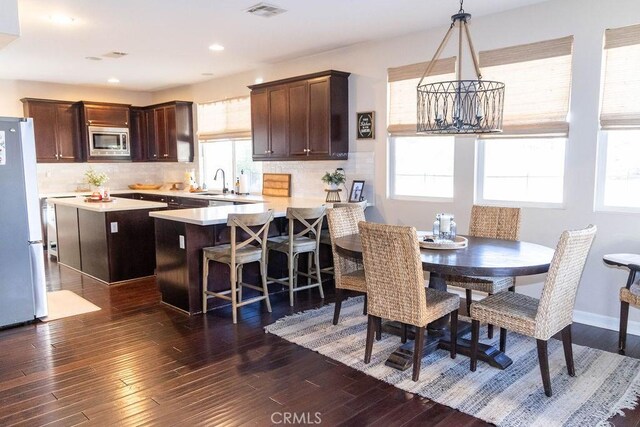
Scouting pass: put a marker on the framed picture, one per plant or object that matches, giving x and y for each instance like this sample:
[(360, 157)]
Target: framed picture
[(366, 125), (356, 191)]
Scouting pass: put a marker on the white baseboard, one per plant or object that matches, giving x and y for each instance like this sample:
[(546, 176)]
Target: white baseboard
[(591, 319)]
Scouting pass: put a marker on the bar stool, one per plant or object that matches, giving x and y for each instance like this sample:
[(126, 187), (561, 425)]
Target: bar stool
[(630, 294), (235, 255), (295, 243)]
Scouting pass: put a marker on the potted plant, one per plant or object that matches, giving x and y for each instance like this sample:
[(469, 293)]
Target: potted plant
[(96, 180), (333, 179)]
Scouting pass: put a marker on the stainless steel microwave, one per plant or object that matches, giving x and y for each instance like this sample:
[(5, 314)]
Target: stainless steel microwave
[(107, 141)]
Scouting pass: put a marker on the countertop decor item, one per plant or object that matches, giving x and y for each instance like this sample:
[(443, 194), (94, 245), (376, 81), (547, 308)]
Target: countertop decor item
[(459, 106), (145, 186), (356, 191), (333, 179), (276, 184), (97, 179)]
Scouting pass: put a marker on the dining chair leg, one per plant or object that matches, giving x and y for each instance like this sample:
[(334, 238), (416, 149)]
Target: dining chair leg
[(265, 288), (290, 259), (417, 352), (318, 276), (309, 265), (371, 325), (568, 350), (205, 277), (379, 329), (364, 308), (475, 337), (469, 298), (454, 334), (543, 359), (240, 283), (624, 319), (234, 296), (403, 336), (338, 306), (503, 340)]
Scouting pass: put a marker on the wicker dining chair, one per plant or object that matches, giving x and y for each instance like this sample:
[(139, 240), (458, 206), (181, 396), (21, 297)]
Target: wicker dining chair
[(325, 238), (396, 288), (498, 223), (629, 294), (348, 273), (306, 240), (236, 254), (540, 319)]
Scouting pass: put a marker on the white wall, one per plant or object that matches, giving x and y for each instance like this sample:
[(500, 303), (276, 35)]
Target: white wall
[(586, 20)]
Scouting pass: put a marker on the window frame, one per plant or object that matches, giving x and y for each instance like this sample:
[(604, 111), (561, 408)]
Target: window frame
[(391, 155), (479, 177), (232, 178), (601, 176)]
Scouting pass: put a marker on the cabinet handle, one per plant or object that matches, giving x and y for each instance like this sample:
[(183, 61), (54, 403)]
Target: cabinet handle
[(270, 151), (126, 123), (165, 155), (155, 155), (266, 151)]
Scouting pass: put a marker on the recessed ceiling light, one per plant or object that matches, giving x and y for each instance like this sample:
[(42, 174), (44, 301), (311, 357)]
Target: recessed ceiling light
[(92, 58), (259, 80), (113, 80), (207, 74), (115, 54), (216, 47), (61, 19)]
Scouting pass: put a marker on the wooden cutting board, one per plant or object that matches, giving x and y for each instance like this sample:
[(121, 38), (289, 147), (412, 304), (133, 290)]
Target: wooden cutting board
[(276, 184)]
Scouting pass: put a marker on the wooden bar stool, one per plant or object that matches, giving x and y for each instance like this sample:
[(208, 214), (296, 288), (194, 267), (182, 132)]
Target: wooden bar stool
[(629, 294), (295, 243), (235, 255)]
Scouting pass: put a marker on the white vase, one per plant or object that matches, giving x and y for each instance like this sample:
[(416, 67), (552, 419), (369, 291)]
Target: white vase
[(332, 186)]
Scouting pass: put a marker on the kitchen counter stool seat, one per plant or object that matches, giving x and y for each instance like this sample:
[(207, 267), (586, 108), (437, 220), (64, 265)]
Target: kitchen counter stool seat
[(236, 255), (305, 240)]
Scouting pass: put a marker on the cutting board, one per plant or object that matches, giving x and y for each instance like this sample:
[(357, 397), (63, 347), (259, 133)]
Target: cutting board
[(276, 184)]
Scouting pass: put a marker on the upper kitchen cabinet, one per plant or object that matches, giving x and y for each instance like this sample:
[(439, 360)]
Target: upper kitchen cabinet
[(168, 134), (301, 118), (56, 130), (105, 114)]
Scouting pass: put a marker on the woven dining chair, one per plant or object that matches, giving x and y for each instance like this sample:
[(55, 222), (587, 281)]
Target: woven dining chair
[(396, 288), (305, 240), (498, 223), (540, 319), (348, 273), (629, 294), (325, 238), (236, 254)]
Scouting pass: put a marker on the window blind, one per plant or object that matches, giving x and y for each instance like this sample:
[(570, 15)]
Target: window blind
[(537, 78), (227, 119), (621, 93), (403, 98)]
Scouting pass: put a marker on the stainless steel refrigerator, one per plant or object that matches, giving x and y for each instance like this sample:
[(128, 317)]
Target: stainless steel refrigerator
[(23, 293)]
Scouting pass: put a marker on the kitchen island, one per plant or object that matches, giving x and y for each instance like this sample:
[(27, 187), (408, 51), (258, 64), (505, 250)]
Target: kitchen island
[(110, 241), (181, 235)]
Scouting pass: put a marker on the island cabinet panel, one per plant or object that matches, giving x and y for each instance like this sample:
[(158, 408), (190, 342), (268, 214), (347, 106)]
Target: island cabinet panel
[(94, 249), (68, 236), (131, 246), (56, 130), (301, 118)]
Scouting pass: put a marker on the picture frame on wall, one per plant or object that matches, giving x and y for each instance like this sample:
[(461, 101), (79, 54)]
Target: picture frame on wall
[(366, 125), (355, 195)]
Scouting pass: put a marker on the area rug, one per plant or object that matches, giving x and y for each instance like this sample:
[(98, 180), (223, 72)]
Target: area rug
[(65, 304), (605, 383)]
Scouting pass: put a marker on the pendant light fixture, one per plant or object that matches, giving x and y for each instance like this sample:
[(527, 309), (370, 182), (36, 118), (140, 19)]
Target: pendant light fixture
[(459, 106)]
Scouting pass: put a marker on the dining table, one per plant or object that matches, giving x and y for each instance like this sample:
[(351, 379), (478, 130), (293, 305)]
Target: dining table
[(483, 257)]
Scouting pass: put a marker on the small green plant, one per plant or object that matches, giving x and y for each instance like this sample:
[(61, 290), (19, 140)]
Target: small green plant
[(95, 178), (336, 178)]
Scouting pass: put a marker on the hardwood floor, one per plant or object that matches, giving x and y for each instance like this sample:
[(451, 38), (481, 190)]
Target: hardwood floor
[(137, 362)]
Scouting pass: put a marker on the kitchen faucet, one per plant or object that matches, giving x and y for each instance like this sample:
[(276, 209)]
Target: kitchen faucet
[(224, 180)]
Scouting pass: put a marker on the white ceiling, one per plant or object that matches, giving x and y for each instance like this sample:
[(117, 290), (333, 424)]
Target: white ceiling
[(167, 40)]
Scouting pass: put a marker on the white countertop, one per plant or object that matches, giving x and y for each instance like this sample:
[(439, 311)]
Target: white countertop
[(118, 204), (218, 214)]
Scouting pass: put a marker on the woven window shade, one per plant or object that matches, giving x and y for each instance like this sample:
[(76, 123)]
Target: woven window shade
[(403, 100), (537, 78), (226, 119), (621, 94)]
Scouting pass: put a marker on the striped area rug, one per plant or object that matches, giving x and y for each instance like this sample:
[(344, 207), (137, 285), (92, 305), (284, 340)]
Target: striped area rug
[(605, 383)]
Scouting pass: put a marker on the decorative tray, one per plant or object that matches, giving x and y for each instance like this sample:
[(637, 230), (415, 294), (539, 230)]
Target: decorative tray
[(145, 186), (90, 200), (459, 242)]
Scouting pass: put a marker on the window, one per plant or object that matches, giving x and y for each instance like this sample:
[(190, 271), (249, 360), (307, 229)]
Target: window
[(422, 167), (525, 164), (618, 174), (521, 170), (232, 156)]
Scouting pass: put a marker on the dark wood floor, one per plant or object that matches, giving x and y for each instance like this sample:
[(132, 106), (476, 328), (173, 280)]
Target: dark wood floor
[(136, 362)]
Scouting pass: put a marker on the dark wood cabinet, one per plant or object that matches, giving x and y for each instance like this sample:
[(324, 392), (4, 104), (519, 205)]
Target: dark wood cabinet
[(105, 114), (301, 118), (56, 130), (169, 132), (138, 134)]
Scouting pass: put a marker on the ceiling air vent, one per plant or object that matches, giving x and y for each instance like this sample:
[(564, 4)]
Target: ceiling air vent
[(115, 54), (265, 10)]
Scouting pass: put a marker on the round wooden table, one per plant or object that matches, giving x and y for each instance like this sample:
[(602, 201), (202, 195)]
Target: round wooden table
[(482, 257)]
